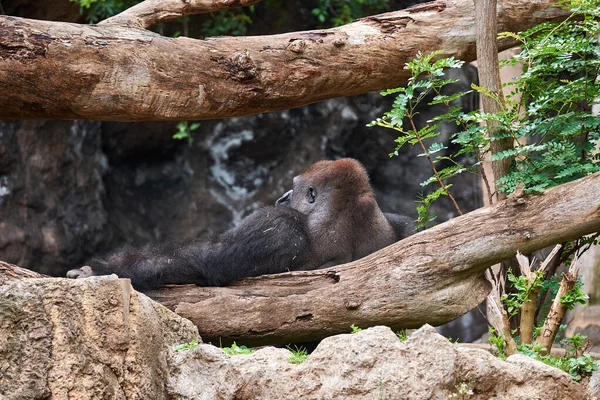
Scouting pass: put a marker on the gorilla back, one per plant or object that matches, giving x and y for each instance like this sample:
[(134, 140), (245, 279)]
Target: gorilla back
[(330, 217)]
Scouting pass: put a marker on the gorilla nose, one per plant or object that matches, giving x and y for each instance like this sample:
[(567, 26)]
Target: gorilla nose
[(284, 201)]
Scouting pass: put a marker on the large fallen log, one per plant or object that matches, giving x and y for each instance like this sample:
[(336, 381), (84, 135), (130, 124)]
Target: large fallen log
[(117, 71), (431, 277), (10, 272)]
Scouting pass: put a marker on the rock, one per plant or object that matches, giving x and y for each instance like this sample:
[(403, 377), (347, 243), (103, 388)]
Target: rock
[(98, 338), (81, 339), (593, 387), (370, 364), (52, 214)]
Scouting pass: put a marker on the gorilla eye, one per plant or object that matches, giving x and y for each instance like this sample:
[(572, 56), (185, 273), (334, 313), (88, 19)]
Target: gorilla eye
[(312, 194)]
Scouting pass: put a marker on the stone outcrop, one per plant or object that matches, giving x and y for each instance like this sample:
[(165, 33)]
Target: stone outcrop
[(371, 364), (98, 338), (84, 339)]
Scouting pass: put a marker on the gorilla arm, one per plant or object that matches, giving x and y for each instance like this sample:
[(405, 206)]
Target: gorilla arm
[(271, 240)]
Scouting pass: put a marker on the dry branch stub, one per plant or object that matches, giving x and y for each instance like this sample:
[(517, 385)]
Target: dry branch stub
[(499, 318), (558, 309), (529, 307)]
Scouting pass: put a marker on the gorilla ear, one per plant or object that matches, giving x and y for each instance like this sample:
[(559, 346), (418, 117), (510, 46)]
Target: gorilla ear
[(312, 194)]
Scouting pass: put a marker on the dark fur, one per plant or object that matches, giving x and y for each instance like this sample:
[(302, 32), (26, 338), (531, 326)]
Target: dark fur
[(342, 224), (402, 225)]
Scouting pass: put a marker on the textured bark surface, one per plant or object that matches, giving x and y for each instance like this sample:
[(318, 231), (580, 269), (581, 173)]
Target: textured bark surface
[(557, 312), (431, 277), (92, 339), (10, 272), (489, 78), (113, 72), (151, 12)]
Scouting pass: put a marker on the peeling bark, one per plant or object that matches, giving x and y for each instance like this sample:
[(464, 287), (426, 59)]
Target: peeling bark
[(431, 277), (52, 70), (10, 272)]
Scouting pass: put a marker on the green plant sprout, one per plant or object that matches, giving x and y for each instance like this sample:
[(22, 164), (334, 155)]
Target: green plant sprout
[(192, 345), (235, 350), (299, 354), (184, 131), (402, 335)]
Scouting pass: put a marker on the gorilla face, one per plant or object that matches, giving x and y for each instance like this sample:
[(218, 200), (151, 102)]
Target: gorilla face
[(312, 196), (312, 192), (304, 204)]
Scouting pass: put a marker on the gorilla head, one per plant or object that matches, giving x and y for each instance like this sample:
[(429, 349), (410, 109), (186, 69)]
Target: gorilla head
[(344, 220), (337, 181)]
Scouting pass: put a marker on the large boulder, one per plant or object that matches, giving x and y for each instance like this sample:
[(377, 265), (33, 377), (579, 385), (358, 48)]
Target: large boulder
[(371, 364), (98, 338), (84, 339)]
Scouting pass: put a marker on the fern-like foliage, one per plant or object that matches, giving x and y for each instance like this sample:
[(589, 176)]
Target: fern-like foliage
[(549, 110), (547, 113), (427, 79)]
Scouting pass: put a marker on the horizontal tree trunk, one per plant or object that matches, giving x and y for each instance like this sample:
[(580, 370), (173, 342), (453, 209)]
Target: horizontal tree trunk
[(152, 12), (9, 272), (431, 277), (55, 70)]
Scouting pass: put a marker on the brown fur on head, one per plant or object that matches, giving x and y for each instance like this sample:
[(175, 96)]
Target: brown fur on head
[(343, 217), (346, 172), (342, 183)]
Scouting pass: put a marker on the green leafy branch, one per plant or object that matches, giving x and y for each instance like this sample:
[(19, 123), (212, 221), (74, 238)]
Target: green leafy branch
[(427, 78)]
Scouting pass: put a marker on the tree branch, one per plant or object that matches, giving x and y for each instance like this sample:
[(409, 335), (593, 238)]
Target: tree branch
[(558, 309), (431, 277), (489, 79), (529, 307), (53, 70), (152, 12), (9, 272)]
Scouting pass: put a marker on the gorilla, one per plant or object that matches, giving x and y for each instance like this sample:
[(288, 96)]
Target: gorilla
[(330, 217)]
